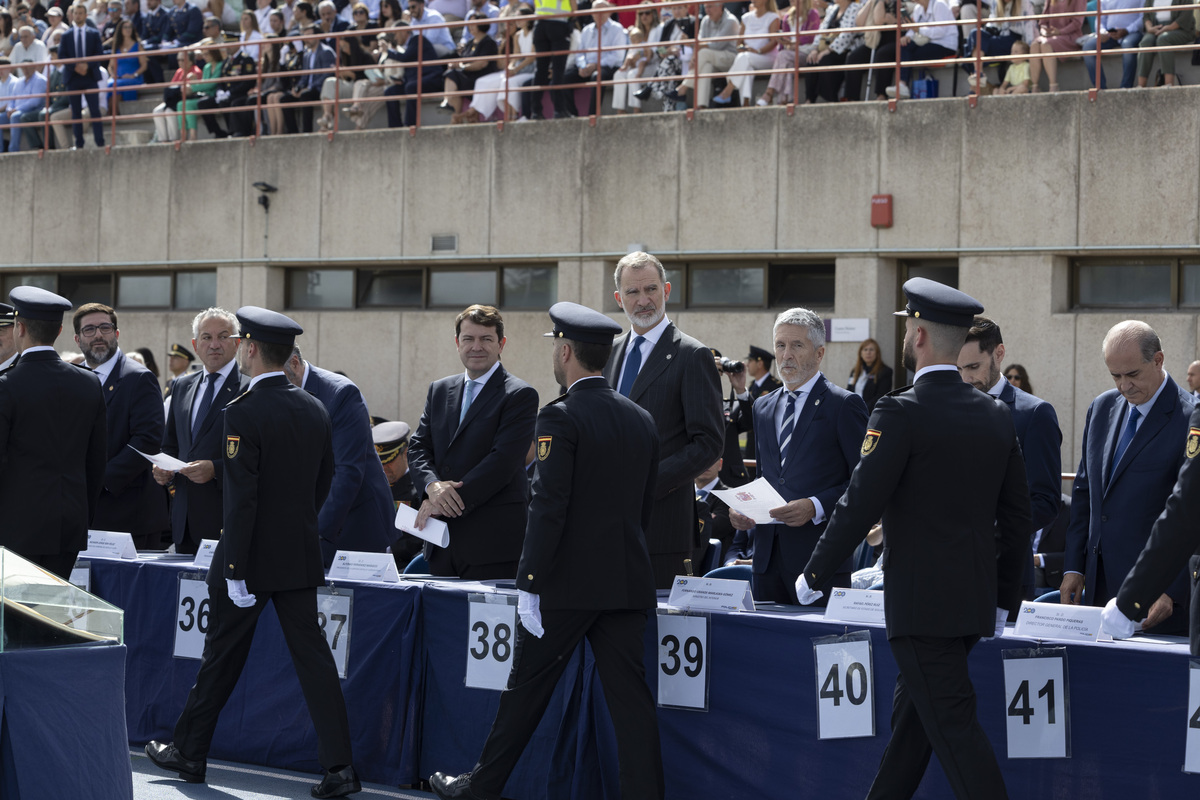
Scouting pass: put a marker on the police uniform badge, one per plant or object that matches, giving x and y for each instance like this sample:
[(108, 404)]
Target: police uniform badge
[(869, 442), (1193, 442), (543, 450), (231, 446)]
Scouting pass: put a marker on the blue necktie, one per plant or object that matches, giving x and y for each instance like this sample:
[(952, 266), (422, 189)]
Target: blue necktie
[(468, 396), (205, 402), (789, 425), (632, 365), (1126, 435)]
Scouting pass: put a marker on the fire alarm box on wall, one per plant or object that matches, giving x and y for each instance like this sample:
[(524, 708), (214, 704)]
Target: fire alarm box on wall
[(881, 211)]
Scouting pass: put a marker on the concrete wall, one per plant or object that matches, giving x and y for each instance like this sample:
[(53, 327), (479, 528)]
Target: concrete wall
[(1011, 190)]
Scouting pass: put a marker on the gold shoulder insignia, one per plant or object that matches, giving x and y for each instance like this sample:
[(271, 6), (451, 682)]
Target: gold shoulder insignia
[(543, 451), (1193, 442), (239, 397), (869, 442), (232, 443)]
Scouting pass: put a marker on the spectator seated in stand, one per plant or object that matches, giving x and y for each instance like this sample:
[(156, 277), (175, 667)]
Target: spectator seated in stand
[(603, 32), (248, 34), (23, 15), (1120, 28), (755, 51), (29, 47), (360, 20), (26, 95), (304, 16), (128, 65), (425, 44), (834, 46), (108, 29), (926, 43), (711, 56), (317, 60), (166, 114), (877, 48), (997, 37), (54, 25), (374, 81), (1166, 27), (206, 87), (1055, 35), (352, 63), (791, 48), (1017, 80), (462, 76), (496, 88), (481, 9), (228, 91), (241, 123), (58, 102), (639, 61)]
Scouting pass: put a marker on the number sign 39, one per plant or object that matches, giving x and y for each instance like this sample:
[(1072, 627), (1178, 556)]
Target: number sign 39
[(1037, 703), (683, 661), (492, 633)]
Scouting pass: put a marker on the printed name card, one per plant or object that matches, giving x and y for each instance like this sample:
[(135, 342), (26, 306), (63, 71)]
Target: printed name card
[(855, 605), (1060, 621), (110, 544), (712, 594), (204, 554), (353, 565)]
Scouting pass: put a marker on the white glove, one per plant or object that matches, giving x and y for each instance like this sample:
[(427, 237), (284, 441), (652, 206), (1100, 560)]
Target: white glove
[(238, 594), (529, 609), (805, 595), (1114, 622), (1001, 621), (222, 95)]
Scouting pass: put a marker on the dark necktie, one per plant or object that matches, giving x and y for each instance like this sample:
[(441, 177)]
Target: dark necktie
[(632, 365), (205, 402), (79, 42), (789, 425), (1126, 435)]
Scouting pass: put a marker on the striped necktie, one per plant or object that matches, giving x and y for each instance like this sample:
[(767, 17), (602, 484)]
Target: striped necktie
[(789, 425)]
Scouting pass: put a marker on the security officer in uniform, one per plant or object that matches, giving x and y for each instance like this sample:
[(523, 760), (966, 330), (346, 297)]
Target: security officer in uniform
[(391, 444), (942, 467), (585, 568), (1175, 536), (8, 346), (278, 469), (179, 361)]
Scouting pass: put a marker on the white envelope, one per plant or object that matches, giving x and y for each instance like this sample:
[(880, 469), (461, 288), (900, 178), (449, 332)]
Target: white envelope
[(435, 530)]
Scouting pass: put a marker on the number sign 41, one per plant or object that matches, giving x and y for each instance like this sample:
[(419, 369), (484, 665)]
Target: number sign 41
[(1037, 703)]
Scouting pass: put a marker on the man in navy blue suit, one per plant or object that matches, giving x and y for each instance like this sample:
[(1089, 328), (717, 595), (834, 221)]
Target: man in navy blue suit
[(80, 42), (307, 89), (979, 364), (358, 513), (808, 433), (1131, 457), (195, 422), (131, 501)]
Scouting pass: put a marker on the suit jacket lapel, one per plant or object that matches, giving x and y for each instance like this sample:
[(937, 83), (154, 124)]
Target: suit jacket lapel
[(110, 385), (489, 390), (657, 362), (1155, 421), (768, 442), (226, 393)]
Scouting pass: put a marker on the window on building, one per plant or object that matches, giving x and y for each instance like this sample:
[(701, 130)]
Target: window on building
[(423, 287), (131, 291), (1136, 283)]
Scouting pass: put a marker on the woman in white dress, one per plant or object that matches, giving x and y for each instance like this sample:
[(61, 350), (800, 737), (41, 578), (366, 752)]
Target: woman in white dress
[(518, 37)]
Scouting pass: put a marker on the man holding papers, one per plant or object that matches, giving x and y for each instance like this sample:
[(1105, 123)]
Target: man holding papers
[(808, 434)]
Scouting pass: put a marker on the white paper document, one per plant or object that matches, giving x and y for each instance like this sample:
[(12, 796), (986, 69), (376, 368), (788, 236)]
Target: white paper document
[(162, 460), (435, 530), (754, 500)]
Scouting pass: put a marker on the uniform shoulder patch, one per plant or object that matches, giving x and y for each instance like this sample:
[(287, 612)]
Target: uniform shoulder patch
[(869, 442), (232, 444), (543, 448), (1193, 442)]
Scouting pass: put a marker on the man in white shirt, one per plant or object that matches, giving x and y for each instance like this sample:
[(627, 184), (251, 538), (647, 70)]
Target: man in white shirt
[(605, 32), (1119, 27), (29, 47)]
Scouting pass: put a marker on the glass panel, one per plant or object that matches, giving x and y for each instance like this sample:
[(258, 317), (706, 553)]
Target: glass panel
[(1125, 285), (92, 287), (742, 286), (530, 287), (675, 278), (42, 280), (196, 290), (808, 285), (389, 287), (942, 273), (41, 610), (321, 288), (144, 291), (1189, 285), (461, 288)]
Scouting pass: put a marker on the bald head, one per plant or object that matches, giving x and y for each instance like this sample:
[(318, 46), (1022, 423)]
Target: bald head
[(1193, 376)]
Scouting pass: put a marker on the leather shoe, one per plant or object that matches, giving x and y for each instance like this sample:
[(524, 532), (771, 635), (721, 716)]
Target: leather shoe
[(338, 784), (643, 94), (448, 788), (167, 756)]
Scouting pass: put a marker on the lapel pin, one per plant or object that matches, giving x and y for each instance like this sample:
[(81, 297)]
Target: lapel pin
[(668, 358), (816, 402)]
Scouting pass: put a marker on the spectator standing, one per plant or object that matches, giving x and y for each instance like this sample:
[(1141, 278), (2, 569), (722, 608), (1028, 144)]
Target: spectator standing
[(1193, 379), (8, 345), (551, 41), (1018, 377), (83, 76)]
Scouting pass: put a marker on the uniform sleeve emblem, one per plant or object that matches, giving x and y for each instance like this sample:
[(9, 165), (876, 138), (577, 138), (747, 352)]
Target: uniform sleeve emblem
[(869, 442), (544, 447), (231, 446), (1193, 442)]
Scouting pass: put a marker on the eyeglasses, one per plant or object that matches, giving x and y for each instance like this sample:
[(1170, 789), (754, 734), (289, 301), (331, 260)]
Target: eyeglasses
[(1013, 377), (90, 330)]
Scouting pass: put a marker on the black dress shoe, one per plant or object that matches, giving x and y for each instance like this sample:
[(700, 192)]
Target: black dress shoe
[(338, 784), (448, 788), (168, 757), (643, 94)]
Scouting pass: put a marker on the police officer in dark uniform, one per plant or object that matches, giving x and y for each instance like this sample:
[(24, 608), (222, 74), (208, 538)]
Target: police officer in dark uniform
[(52, 440), (585, 568), (391, 444), (278, 452), (8, 347), (179, 362), (942, 467), (1174, 537)]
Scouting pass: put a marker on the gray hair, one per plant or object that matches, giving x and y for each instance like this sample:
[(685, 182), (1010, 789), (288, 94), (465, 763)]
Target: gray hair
[(805, 319), (325, 3), (638, 260), (30, 30), (215, 313), (1137, 332)]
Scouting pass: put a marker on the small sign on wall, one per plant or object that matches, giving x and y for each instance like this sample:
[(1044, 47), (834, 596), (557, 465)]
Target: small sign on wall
[(847, 330)]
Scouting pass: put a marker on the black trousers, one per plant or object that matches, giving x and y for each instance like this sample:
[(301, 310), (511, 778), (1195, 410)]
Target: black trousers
[(616, 640), (306, 113), (933, 710), (550, 35), (93, 104), (572, 76), (226, 646), (825, 84), (777, 583)]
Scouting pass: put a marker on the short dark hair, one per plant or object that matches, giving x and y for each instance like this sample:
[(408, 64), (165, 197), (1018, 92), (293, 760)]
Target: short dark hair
[(92, 308), (987, 333), (273, 353), (42, 331), (591, 356), (487, 316), (307, 8)]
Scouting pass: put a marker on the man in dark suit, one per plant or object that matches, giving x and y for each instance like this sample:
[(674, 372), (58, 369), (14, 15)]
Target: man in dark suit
[(809, 433), (762, 382), (278, 451), (468, 455), (307, 89), (585, 570), (358, 514), (671, 375), (979, 364), (1174, 537), (51, 440), (131, 500), (82, 41), (1050, 547), (1129, 464), (195, 425), (942, 466)]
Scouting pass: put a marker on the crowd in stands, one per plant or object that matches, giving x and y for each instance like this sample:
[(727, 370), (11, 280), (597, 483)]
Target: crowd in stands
[(642, 54)]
